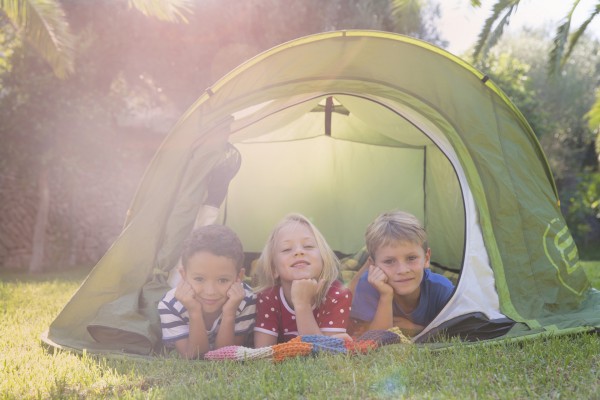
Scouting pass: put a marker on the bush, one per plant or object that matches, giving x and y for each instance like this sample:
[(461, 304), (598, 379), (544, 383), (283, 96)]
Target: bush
[(583, 211)]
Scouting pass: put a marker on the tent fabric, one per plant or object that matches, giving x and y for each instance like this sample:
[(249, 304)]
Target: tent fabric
[(341, 126)]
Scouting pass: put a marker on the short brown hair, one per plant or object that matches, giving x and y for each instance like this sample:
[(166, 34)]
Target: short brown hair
[(216, 239), (392, 227)]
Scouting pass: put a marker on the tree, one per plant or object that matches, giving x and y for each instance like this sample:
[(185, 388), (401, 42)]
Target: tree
[(555, 109), (44, 25), (565, 40), (581, 205), (417, 18)]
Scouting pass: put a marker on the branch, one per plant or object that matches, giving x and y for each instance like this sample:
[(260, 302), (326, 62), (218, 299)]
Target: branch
[(488, 37), (593, 116), (164, 10), (579, 32), (44, 26)]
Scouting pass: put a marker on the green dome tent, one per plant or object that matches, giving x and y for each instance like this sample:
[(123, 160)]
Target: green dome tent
[(341, 126)]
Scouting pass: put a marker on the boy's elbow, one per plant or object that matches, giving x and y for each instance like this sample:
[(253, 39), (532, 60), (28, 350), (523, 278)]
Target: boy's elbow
[(192, 354), (189, 352)]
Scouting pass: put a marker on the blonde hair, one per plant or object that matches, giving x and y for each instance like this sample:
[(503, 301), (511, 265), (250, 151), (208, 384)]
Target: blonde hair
[(265, 273), (394, 226)]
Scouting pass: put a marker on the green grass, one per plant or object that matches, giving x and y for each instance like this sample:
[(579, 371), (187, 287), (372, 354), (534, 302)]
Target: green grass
[(592, 270), (547, 368)]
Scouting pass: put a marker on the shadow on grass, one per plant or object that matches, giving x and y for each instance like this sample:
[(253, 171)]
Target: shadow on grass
[(589, 253)]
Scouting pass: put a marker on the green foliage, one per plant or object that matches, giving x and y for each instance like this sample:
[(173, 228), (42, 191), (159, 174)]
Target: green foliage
[(67, 128), (564, 40), (417, 18), (171, 10), (592, 268), (493, 27), (44, 26), (549, 367), (593, 116), (8, 42), (513, 76), (583, 208), (556, 110), (63, 110), (558, 54)]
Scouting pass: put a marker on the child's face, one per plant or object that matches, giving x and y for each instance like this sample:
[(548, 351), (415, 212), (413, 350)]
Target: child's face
[(404, 263), (210, 276), (296, 254)]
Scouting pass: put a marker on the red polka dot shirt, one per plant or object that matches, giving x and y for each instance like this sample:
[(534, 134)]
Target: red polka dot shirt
[(274, 316)]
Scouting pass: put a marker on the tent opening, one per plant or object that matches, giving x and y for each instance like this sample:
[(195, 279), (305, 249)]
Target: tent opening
[(341, 159)]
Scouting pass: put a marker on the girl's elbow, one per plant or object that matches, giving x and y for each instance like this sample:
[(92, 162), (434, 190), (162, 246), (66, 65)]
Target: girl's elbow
[(263, 340)]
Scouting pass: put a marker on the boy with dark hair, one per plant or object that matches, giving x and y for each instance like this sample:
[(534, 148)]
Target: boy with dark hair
[(211, 307)]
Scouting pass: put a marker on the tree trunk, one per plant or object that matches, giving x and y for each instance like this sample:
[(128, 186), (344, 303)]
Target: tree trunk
[(41, 221), (74, 238)]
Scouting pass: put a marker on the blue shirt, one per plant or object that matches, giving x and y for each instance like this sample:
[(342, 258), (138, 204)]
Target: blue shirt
[(436, 290)]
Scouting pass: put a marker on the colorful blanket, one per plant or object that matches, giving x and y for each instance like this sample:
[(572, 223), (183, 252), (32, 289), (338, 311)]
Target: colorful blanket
[(311, 344)]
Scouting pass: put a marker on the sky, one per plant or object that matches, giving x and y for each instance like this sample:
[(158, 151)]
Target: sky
[(460, 23)]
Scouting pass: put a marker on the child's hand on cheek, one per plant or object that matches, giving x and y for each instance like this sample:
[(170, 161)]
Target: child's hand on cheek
[(235, 295), (378, 279), (187, 296), (304, 291)]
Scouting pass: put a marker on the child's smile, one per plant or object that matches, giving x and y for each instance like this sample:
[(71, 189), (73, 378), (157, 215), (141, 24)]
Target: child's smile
[(210, 276), (300, 264), (404, 263), (297, 255), (209, 302), (403, 280)]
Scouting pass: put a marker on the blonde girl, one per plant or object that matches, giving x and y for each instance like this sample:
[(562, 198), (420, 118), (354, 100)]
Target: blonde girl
[(299, 293)]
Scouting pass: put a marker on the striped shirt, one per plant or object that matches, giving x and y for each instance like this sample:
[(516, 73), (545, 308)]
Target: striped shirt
[(174, 318)]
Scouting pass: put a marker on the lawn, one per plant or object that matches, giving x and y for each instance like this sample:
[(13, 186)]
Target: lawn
[(548, 368)]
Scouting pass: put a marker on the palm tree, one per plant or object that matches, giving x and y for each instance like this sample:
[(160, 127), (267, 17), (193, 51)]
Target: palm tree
[(165, 10), (564, 42), (43, 24)]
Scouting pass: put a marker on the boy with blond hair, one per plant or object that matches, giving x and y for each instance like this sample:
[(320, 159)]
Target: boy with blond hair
[(396, 288)]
